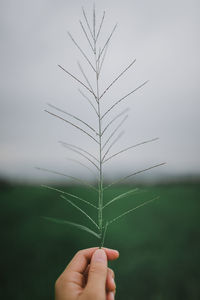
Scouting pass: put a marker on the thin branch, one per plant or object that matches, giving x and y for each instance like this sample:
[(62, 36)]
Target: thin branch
[(88, 25), (71, 195), (130, 210), (82, 52), (86, 35), (123, 72), (121, 196), (103, 59), (68, 176), (81, 154), (84, 75), (76, 79), (98, 64), (72, 124), (123, 98), (133, 174), (112, 144), (79, 226), (136, 145), (100, 25), (94, 22), (114, 119), (81, 210), (79, 148), (84, 96), (83, 165), (73, 116), (114, 131), (104, 234), (107, 41)]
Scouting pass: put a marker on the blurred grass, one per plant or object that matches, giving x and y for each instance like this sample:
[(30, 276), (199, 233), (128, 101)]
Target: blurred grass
[(159, 243)]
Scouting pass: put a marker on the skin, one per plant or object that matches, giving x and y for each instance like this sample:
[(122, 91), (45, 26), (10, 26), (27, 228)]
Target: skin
[(87, 276)]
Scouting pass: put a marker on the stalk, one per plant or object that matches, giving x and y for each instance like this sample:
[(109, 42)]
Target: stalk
[(100, 183)]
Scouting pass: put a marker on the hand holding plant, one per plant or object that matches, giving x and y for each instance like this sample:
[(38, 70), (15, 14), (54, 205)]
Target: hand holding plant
[(87, 276)]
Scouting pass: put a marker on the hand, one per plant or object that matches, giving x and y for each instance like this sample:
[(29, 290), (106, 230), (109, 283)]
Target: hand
[(87, 276)]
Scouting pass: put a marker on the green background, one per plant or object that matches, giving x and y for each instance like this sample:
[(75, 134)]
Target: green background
[(159, 243)]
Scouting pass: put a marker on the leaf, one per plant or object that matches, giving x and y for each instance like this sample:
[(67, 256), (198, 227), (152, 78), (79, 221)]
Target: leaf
[(133, 174), (72, 116), (114, 119), (83, 53), (100, 25), (114, 131), (121, 196), (124, 71), (108, 40), (132, 209), (72, 124), (72, 195), (121, 99), (81, 210), (74, 149), (68, 176), (79, 226), (130, 147)]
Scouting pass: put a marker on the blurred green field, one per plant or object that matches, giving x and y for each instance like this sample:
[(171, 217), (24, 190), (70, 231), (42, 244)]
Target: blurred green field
[(159, 243)]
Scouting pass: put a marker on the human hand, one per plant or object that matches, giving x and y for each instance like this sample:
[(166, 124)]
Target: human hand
[(87, 276)]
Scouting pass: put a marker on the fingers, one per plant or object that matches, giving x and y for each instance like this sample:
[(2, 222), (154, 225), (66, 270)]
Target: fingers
[(100, 277), (111, 253), (82, 259), (98, 272), (110, 283), (99, 285), (110, 296)]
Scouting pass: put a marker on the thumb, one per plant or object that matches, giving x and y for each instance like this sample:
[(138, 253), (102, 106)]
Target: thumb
[(97, 273)]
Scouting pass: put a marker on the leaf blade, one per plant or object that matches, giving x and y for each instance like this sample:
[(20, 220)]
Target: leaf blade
[(130, 147), (121, 196), (132, 209), (69, 194), (81, 210), (79, 226)]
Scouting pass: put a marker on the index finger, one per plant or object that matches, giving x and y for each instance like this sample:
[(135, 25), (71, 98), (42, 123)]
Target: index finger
[(82, 258)]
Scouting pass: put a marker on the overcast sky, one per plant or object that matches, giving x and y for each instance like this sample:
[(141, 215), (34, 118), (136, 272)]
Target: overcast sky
[(163, 36)]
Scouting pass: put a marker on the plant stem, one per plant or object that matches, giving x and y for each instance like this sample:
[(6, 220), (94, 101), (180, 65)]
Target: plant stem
[(100, 202)]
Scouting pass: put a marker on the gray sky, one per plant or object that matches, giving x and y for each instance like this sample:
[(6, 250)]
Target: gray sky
[(164, 38)]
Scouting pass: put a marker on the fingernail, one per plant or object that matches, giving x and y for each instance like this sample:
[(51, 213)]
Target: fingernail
[(111, 296), (99, 255)]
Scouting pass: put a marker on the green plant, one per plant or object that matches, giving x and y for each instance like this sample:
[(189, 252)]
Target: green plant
[(104, 142)]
